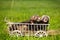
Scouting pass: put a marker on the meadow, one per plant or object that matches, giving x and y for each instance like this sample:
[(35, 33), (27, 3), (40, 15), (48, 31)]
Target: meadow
[(21, 10)]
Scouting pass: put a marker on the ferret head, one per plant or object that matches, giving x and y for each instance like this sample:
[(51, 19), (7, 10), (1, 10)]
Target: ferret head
[(45, 18), (34, 18)]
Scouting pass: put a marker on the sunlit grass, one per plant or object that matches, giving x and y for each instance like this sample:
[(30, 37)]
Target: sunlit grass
[(23, 10)]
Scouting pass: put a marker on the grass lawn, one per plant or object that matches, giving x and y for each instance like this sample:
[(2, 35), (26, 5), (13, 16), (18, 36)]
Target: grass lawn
[(17, 11)]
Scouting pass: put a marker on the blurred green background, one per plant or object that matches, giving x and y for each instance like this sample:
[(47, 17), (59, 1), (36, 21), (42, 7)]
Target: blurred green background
[(21, 10)]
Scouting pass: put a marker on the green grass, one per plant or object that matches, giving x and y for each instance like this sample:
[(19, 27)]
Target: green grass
[(23, 10)]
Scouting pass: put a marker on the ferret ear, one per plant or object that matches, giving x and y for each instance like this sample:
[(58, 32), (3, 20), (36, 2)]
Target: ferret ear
[(32, 18), (45, 16)]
